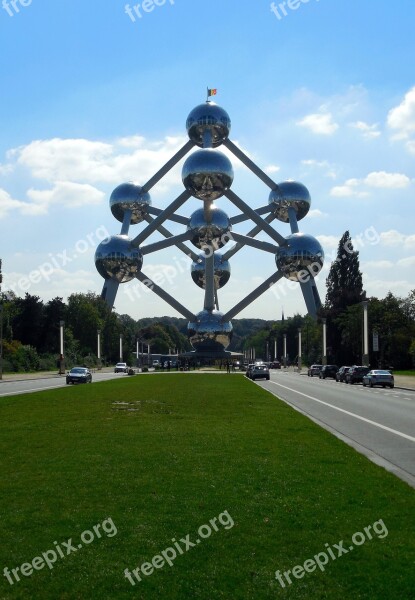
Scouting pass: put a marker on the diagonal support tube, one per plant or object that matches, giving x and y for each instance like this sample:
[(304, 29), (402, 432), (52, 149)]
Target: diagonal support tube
[(250, 164), (154, 225), (190, 253), (246, 240), (253, 296), (243, 207), (169, 165), (170, 241), (242, 217), (165, 296), (251, 233), (176, 218)]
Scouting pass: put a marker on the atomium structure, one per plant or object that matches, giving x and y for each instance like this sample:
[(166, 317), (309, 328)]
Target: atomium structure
[(207, 175)]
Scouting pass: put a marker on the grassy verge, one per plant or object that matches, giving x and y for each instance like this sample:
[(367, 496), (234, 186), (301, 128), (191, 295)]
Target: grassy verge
[(408, 373), (161, 456)]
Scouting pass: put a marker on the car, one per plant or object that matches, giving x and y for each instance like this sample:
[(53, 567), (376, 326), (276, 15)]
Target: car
[(156, 363), (356, 373), (314, 370), (341, 373), (121, 367), (249, 369), (275, 365), (379, 377), (79, 375), (328, 371), (259, 372)]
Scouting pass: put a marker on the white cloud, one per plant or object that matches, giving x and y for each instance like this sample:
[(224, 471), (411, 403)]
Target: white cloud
[(64, 193), (377, 264), (270, 169), (395, 238), (368, 131), (376, 179), (402, 117), (316, 213), (381, 179), (319, 123), (406, 262), (321, 164), (8, 204), (328, 241)]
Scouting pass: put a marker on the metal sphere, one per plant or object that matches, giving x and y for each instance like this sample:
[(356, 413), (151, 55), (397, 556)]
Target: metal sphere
[(222, 271), (301, 258), (116, 259), (130, 196), (208, 333), (207, 174), (211, 229), (208, 117), (290, 194)]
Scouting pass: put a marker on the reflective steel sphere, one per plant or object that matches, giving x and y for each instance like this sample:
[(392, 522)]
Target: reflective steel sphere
[(290, 194), (210, 235), (207, 174), (208, 117), (301, 258), (222, 271), (129, 196), (116, 259), (208, 333)]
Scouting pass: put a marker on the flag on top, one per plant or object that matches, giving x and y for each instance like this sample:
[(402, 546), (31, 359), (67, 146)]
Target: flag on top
[(212, 92)]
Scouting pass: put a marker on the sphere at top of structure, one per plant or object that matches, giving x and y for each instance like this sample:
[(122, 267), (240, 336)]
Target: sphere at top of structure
[(208, 333), (207, 174), (290, 194), (116, 259), (211, 119), (222, 271), (210, 228), (300, 258), (130, 196)]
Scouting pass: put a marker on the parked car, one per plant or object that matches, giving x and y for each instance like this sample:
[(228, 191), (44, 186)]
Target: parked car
[(356, 373), (314, 370), (328, 371), (79, 375), (341, 374), (259, 372), (121, 367), (156, 363), (379, 377), (275, 365)]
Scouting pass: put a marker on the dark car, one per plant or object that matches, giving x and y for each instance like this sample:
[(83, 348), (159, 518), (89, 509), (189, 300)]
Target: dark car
[(314, 370), (356, 373), (259, 372), (275, 365), (328, 371), (379, 377), (79, 375), (341, 374)]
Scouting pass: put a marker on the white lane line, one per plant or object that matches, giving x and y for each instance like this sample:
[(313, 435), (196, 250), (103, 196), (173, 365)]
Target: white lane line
[(51, 387), (404, 435)]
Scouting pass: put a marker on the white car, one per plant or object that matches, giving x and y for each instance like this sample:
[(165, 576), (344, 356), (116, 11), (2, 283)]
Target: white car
[(379, 377), (121, 367)]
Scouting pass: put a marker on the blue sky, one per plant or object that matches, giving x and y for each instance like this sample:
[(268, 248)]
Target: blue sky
[(324, 94)]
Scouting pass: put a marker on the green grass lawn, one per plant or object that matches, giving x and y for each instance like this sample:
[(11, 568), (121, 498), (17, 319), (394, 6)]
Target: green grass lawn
[(160, 456), (410, 373)]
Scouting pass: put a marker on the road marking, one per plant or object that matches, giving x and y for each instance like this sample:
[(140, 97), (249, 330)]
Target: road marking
[(404, 435), (51, 387)]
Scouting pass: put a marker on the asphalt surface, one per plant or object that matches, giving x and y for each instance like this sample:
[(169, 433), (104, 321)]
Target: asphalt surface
[(378, 422), (24, 386)]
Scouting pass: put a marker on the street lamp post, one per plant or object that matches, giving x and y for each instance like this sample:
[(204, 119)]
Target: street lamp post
[(1, 339), (299, 351), (99, 349), (61, 349), (120, 348), (285, 350), (324, 341), (365, 360)]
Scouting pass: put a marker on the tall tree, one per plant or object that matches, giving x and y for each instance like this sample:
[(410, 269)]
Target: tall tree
[(344, 289)]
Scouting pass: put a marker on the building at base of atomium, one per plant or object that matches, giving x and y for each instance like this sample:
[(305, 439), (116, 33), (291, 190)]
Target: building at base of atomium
[(207, 175)]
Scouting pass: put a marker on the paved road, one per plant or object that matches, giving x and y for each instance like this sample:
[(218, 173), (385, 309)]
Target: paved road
[(24, 386), (378, 422)]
